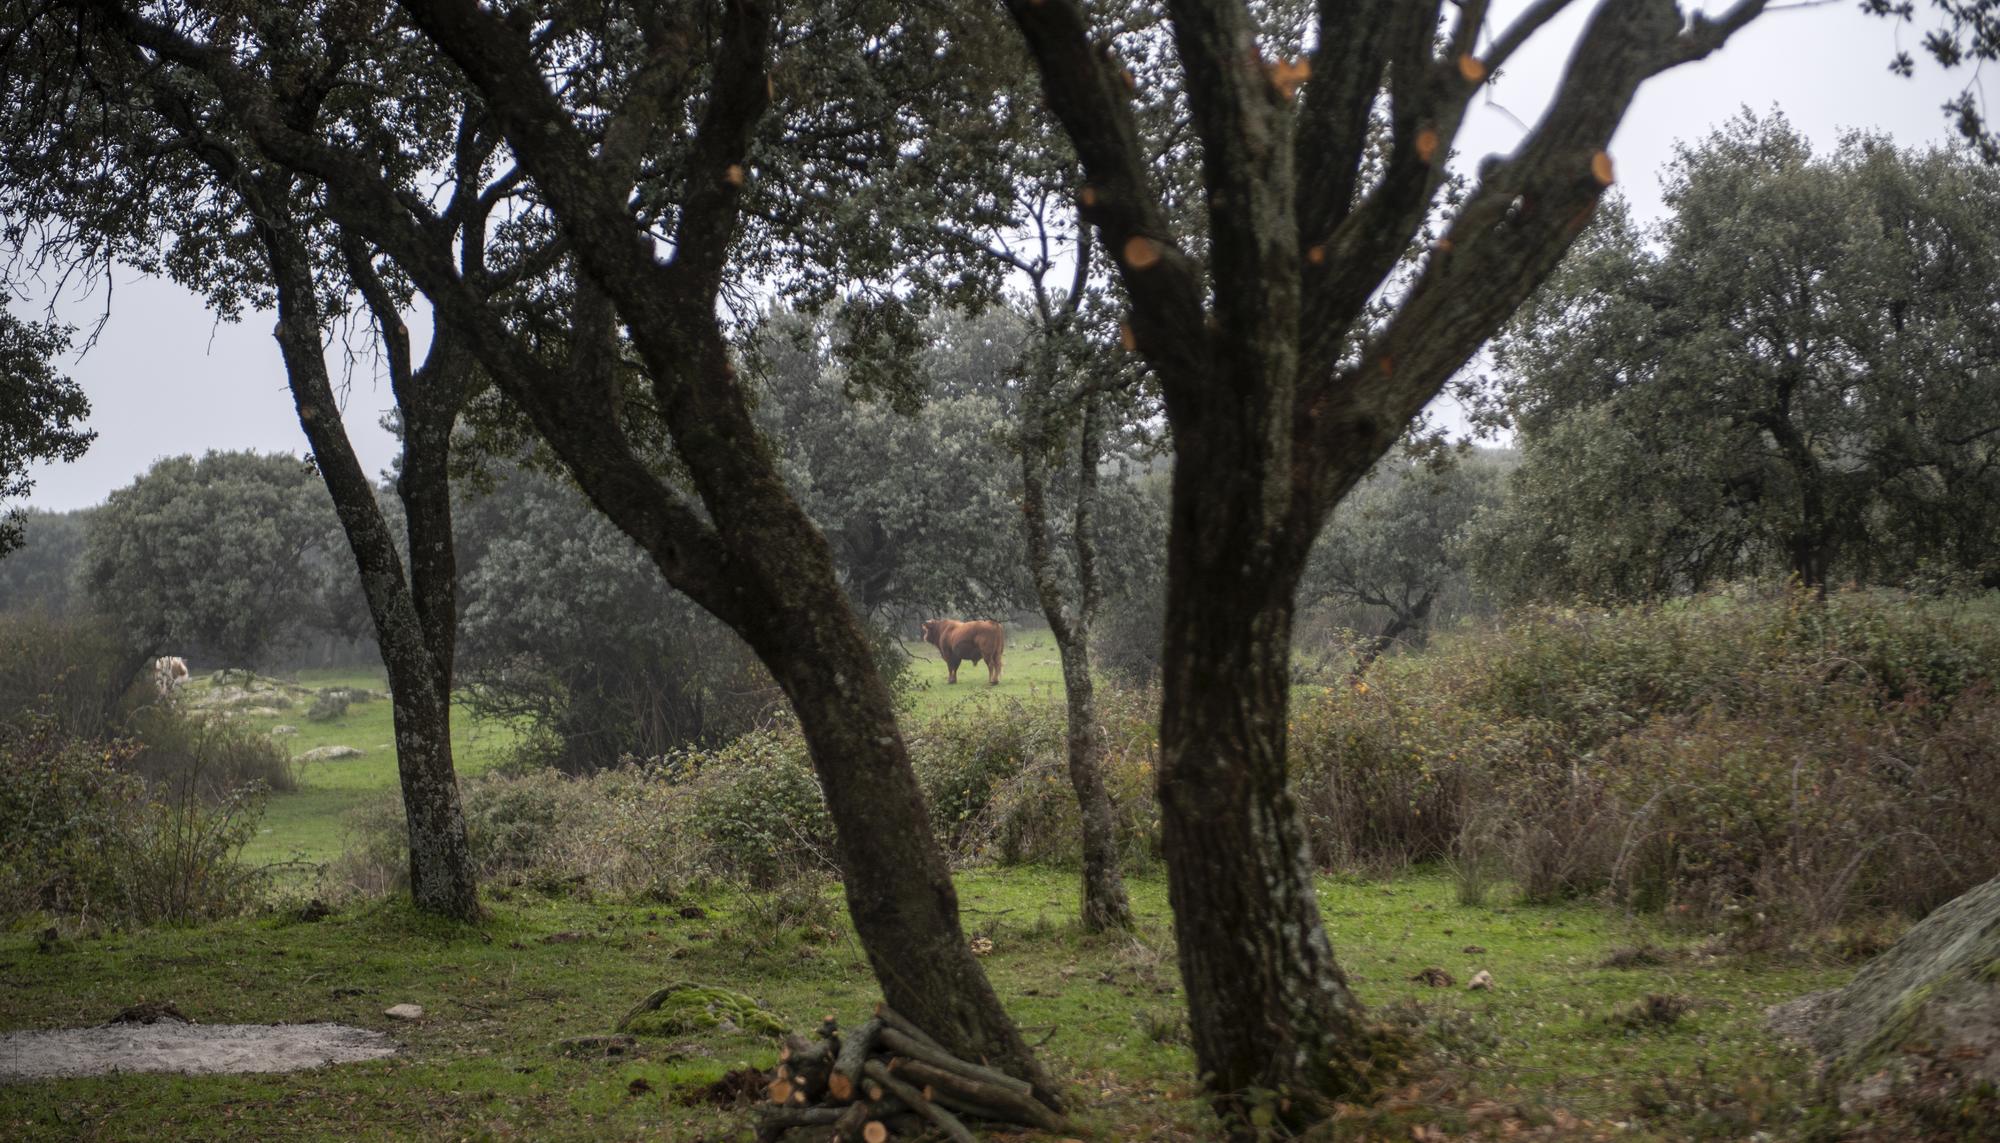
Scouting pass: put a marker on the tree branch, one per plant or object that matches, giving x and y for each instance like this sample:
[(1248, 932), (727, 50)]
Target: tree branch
[(1087, 93)]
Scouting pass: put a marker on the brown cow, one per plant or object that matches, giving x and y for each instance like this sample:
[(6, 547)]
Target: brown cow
[(968, 642)]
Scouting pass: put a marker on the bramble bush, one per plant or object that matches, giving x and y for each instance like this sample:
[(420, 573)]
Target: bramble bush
[(1771, 764), (121, 807), (1777, 762)]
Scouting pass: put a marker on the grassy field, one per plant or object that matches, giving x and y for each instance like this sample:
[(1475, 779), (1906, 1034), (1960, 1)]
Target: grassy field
[(1561, 1047), (308, 825), (1545, 1046), (1031, 672)]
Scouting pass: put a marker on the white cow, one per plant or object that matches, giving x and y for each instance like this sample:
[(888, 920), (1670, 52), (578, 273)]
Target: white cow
[(169, 672)]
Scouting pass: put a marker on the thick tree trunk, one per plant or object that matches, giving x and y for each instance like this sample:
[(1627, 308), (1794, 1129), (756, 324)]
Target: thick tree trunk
[(1272, 1016), (899, 889)]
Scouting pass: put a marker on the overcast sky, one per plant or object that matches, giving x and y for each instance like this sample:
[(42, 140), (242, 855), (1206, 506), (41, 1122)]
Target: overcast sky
[(165, 378)]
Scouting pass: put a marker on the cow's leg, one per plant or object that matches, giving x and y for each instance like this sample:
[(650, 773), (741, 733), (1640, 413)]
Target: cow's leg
[(951, 666), (993, 671)]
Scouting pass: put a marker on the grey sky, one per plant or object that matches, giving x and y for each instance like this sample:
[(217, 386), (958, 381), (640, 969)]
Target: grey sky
[(165, 378)]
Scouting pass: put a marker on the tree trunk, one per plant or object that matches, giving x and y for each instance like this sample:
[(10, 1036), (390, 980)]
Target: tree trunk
[(1273, 1019), (441, 875), (1105, 904), (1399, 622), (899, 889)]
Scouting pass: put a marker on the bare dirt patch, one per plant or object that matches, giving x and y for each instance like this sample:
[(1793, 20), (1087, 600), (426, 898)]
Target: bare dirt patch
[(194, 1049)]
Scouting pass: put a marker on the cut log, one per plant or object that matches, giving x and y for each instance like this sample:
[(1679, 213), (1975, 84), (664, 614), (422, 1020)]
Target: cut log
[(855, 1118), (853, 1053), (773, 1122), (937, 1116), (780, 1090), (974, 1097), (903, 1044), (875, 1131), (806, 1065), (893, 1019)]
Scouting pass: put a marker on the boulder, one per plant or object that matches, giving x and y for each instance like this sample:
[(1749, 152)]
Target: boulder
[(1919, 1022), (330, 753), (686, 1007)]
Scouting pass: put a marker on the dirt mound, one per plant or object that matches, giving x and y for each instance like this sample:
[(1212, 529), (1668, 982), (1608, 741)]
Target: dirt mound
[(170, 1046), (740, 1088)]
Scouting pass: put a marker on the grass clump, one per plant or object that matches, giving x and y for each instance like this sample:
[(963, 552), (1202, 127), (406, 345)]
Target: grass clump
[(1653, 1011)]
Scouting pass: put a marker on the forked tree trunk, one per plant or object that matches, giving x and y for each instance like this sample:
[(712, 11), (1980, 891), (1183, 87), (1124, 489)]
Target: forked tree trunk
[(1399, 622), (413, 615)]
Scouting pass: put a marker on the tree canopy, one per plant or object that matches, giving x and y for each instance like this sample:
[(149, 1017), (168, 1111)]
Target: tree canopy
[(1797, 371), (211, 557), (41, 412)]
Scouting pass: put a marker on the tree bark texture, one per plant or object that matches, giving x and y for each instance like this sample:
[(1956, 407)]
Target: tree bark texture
[(1272, 1015)]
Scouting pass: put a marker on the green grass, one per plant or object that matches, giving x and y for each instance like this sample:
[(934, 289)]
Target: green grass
[(1546, 1043), (496, 997), (1031, 672), (308, 825)]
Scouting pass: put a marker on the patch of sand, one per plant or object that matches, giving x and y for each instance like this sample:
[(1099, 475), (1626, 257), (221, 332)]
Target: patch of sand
[(190, 1048)]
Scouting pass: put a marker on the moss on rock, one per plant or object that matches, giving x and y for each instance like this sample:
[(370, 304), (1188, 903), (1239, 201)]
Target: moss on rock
[(685, 1007), (1924, 1017)]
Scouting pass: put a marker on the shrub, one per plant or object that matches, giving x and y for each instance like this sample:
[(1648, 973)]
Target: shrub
[(757, 808), (76, 671), (997, 780), (90, 840), (216, 756), (1773, 763)]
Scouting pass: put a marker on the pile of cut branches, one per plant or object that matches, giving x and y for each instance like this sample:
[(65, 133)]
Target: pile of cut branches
[(885, 1080)]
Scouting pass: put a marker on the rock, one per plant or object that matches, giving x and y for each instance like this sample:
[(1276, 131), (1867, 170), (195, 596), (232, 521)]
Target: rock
[(404, 1012), (282, 730), (331, 704), (1435, 977), (1923, 1017), (685, 1007), (1482, 981), (330, 753)]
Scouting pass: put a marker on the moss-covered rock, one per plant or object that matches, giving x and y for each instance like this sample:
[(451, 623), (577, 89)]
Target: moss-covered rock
[(1921, 1021), (684, 1007)]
